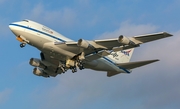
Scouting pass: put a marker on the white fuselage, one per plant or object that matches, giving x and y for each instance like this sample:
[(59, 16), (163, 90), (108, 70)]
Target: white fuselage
[(43, 38)]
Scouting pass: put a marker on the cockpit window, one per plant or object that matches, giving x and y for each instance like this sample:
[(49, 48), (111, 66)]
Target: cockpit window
[(26, 20)]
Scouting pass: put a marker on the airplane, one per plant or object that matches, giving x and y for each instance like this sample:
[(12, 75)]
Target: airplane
[(59, 53)]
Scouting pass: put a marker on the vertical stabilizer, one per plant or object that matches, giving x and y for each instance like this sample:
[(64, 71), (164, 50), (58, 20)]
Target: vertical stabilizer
[(122, 56)]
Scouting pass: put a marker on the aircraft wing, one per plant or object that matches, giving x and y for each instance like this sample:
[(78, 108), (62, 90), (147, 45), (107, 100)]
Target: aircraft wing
[(130, 42), (91, 48)]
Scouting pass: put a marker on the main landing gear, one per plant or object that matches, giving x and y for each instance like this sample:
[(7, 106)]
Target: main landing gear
[(74, 64), (80, 64), (77, 64)]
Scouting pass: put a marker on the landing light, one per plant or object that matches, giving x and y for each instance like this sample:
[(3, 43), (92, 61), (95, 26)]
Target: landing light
[(19, 39)]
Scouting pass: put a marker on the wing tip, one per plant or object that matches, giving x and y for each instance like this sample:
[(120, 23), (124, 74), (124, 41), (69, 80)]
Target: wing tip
[(110, 74), (156, 60), (151, 61), (166, 34)]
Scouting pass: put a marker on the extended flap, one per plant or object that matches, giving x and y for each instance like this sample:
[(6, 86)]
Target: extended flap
[(97, 55)]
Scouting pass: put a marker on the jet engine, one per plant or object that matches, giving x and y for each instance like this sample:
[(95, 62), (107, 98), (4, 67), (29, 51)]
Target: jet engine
[(40, 72), (84, 44), (36, 63), (125, 41)]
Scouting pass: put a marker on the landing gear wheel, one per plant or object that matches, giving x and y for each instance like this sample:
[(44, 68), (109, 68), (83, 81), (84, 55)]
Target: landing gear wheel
[(22, 45), (74, 69), (80, 65)]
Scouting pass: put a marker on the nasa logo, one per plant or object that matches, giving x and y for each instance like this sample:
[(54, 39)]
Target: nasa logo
[(126, 52), (114, 54)]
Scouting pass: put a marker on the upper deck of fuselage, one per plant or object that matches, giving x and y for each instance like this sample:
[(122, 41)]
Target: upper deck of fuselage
[(37, 27)]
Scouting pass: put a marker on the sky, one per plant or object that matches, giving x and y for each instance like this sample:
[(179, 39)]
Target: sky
[(155, 86)]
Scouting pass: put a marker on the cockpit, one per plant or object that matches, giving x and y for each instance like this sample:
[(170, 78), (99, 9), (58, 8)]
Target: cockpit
[(25, 20)]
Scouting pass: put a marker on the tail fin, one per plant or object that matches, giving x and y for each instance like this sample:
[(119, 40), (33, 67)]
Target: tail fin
[(122, 56)]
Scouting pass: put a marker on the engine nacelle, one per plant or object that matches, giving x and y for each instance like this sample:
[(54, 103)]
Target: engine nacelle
[(84, 44), (36, 63), (125, 41), (40, 72)]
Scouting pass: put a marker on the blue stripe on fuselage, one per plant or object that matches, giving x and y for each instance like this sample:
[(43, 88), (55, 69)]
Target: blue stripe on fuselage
[(38, 31), (110, 61)]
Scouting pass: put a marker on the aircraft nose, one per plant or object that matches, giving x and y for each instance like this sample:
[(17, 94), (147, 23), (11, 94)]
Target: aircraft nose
[(11, 26)]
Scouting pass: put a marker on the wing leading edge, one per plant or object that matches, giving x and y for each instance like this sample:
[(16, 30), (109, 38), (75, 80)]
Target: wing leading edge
[(150, 37)]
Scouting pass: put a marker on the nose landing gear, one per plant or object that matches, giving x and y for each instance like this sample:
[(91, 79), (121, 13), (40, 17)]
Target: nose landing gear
[(22, 45), (22, 40)]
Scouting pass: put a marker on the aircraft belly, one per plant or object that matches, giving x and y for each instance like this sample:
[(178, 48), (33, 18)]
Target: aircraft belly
[(72, 49), (102, 65)]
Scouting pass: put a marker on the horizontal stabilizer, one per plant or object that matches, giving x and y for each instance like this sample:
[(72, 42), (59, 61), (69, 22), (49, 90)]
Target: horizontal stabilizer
[(132, 65), (109, 73)]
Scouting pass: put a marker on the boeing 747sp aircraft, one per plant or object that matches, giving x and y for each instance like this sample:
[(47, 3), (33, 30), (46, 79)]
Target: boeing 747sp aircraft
[(59, 54)]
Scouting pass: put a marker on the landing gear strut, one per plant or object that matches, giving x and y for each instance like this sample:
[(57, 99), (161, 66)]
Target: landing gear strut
[(63, 68)]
